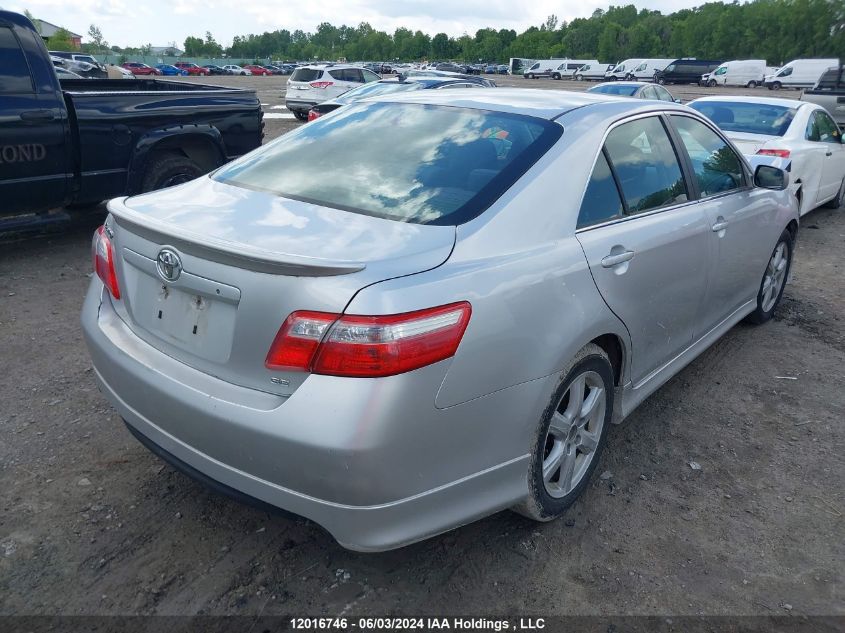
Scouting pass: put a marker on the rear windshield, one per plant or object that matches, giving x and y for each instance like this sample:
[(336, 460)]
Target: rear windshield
[(378, 88), (752, 118), (305, 74), (437, 164), (623, 90)]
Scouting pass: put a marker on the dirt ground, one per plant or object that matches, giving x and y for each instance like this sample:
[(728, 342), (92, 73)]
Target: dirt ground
[(92, 523)]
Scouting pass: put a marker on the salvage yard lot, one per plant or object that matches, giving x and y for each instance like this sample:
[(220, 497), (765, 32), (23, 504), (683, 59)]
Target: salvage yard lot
[(721, 494)]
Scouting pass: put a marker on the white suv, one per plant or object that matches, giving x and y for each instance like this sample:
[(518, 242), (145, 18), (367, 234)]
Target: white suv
[(310, 85)]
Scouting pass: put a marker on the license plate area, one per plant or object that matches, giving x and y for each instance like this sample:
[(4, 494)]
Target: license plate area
[(196, 315)]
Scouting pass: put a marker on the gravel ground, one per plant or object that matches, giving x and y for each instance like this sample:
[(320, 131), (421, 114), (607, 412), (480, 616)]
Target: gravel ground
[(92, 523)]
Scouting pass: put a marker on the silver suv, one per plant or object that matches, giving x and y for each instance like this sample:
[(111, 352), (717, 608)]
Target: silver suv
[(310, 85)]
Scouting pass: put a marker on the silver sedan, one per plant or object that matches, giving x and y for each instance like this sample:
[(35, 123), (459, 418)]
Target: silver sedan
[(420, 310)]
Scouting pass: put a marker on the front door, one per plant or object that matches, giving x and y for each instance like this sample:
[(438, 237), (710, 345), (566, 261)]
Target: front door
[(32, 141), (737, 215), (646, 242)]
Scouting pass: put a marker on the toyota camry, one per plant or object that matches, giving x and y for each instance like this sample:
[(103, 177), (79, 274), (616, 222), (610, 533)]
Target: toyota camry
[(426, 308)]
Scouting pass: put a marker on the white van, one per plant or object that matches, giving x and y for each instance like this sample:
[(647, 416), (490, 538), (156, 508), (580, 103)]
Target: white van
[(645, 71), (621, 70), (541, 68), (569, 67), (739, 72), (799, 73), (592, 72)]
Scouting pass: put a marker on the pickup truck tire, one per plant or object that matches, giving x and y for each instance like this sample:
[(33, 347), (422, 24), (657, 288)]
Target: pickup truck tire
[(167, 170), (839, 200)]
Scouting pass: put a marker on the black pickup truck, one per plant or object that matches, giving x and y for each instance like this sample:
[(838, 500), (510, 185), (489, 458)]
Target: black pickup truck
[(78, 142)]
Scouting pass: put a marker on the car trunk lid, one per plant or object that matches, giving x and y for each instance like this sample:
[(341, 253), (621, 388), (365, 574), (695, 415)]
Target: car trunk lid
[(245, 261)]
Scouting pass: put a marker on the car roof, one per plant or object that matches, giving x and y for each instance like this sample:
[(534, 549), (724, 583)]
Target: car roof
[(772, 101), (545, 104), (622, 83), (329, 66)]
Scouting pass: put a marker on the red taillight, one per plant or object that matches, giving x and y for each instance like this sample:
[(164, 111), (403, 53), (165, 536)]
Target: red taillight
[(313, 114), (780, 153), (321, 84), (102, 253), (368, 346)]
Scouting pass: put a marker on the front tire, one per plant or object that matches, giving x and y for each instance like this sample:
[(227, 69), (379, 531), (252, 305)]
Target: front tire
[(556, 76), (661, 81), (839, 200), (711, 83), (300, 115), (774, 280), (775, 86), (579, 77), (570, 436)]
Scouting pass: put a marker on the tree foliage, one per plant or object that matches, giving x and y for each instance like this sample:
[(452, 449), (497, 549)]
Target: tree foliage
[(61, 41), (775, 30)]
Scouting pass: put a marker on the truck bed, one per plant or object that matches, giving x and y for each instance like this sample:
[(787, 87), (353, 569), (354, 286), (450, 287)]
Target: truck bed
[(82, 86)]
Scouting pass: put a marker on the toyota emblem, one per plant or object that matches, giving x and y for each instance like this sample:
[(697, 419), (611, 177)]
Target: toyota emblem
[(168, 264)]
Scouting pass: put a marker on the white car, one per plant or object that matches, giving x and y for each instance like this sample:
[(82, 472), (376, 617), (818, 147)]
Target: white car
[(237, 70), (310, 85), (801, 132)]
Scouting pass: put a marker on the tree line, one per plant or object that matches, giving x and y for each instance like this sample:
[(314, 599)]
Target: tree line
[(774, 30)]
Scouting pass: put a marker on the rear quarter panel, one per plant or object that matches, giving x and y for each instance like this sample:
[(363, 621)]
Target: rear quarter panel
[(534, 302)]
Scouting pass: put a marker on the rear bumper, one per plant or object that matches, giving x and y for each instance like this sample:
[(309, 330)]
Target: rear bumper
[(372, 461), (296, 104)]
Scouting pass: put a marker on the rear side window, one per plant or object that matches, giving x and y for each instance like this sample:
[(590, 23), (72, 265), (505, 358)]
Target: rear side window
[(601, 200), (439, 165), (306, 74), (717, 167), (14, 71), (646, 165)]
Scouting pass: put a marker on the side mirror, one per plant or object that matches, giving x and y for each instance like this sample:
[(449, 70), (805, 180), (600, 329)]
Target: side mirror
[(677, 101), (770, 177)]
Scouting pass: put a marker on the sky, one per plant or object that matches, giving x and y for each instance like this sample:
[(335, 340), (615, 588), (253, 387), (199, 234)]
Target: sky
[(160, 22)]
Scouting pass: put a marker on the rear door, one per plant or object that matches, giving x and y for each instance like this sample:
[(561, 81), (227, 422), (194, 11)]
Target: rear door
[(33, 161), (646, 241), (833, 160)]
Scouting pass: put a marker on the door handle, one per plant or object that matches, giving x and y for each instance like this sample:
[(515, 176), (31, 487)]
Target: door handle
[(612, 260), (720, 226), (829, 153), (38, 115)]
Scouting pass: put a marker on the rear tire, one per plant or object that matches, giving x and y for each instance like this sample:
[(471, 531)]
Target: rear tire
[(751, 84), (774, 280), (568, 442), (167, 170)]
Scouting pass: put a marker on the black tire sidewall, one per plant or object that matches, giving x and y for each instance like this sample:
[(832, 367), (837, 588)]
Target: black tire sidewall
[(549, 506), (759, 315), (164, 166)]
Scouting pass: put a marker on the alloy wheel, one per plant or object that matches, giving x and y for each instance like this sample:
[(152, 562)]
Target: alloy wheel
[(774, 277), (574, 434)]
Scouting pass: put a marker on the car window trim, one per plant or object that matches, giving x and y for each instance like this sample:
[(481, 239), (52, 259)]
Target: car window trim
[(25, 60), (650, 212), (746, 172)]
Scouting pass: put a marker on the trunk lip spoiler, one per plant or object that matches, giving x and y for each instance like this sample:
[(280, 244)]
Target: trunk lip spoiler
[(239, 253)]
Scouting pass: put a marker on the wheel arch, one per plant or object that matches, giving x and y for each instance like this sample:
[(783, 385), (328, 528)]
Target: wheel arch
[(203, 144)]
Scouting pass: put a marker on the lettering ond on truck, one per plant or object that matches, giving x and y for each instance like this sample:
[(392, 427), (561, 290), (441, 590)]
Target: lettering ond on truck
[(26, 153)]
